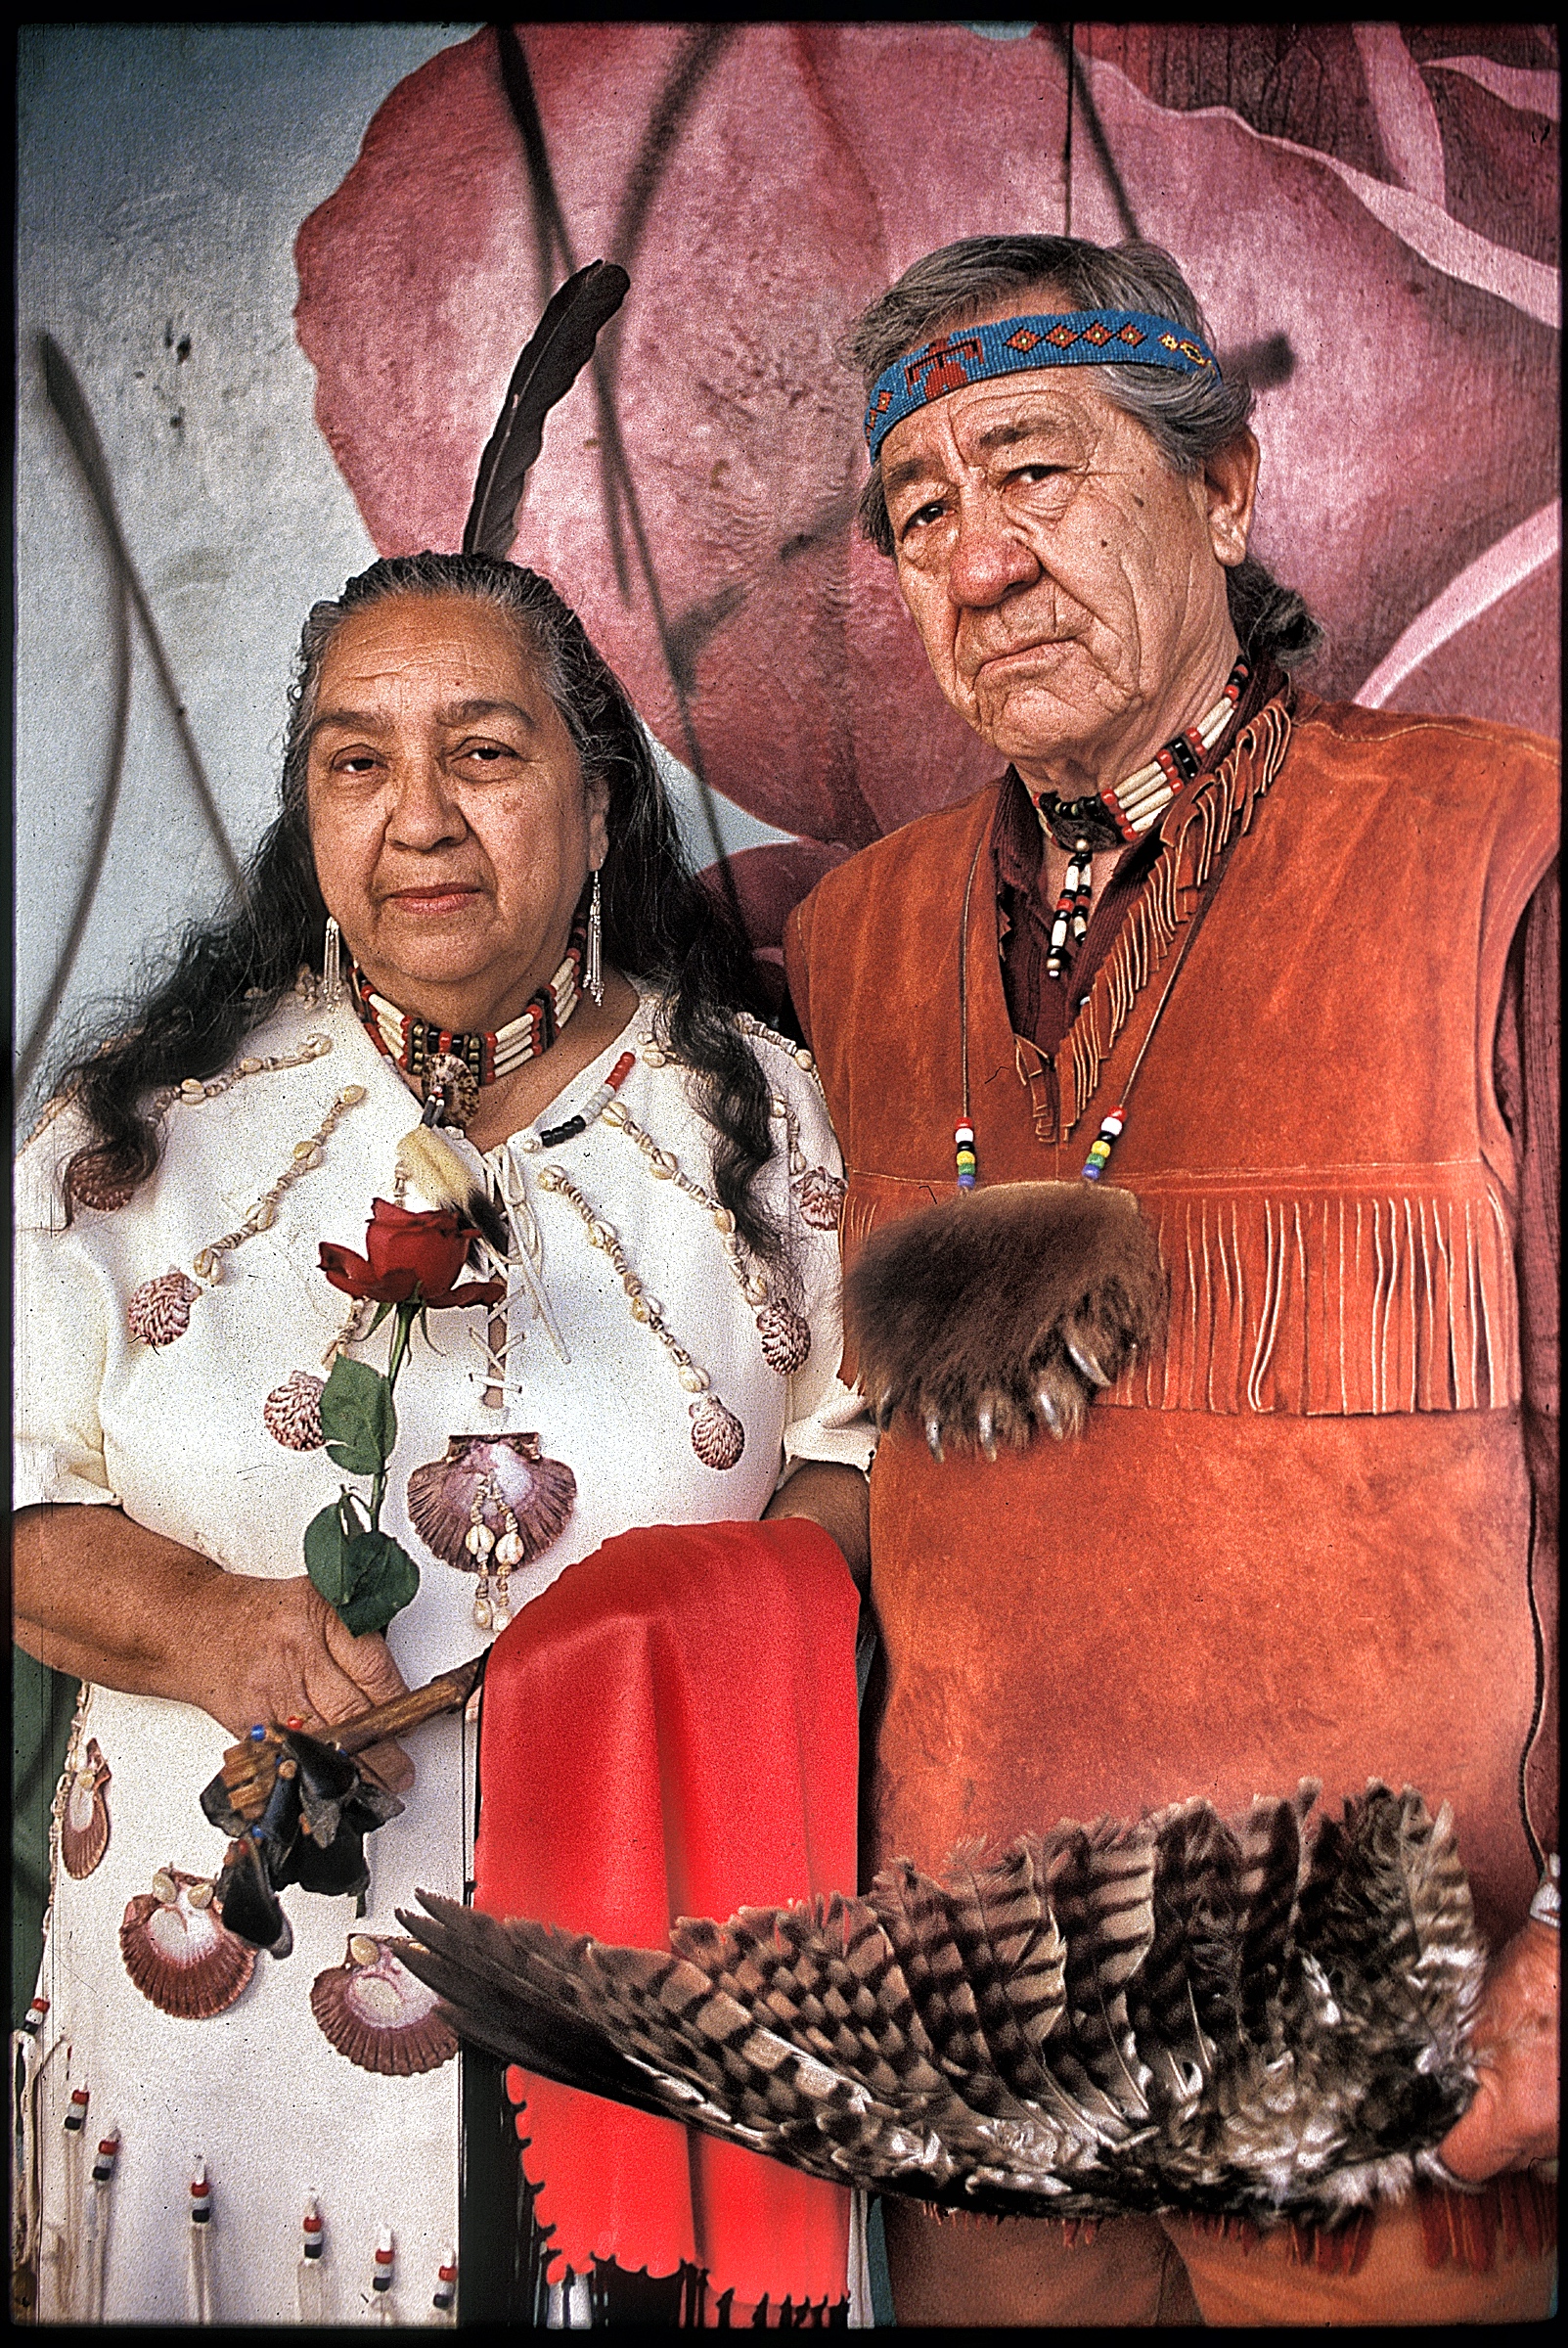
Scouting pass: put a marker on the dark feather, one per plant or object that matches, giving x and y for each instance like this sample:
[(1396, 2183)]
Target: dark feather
[(1172, 2014), (1271, 1875), (555, 354)]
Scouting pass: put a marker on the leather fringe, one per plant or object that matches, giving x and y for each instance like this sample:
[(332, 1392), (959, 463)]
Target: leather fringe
[(1331, 1301), (1517, 2212), (1222, 807), (1333, 2249), (1227, 2230)]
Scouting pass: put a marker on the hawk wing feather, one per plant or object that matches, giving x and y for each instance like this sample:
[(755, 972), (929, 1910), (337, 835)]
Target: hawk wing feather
[(1173, 2012), (549, 363)]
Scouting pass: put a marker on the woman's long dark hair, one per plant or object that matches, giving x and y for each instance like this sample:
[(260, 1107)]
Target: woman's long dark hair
[(660, 924)]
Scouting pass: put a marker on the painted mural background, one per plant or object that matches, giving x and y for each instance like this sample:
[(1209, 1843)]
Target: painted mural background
[(1369, 214)]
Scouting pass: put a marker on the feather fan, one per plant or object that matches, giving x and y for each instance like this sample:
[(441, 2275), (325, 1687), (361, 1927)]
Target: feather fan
[(1172, 2014), (555, 354)]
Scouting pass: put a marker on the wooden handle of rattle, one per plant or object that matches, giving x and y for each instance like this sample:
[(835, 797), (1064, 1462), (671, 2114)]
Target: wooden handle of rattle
[(447, 1692)]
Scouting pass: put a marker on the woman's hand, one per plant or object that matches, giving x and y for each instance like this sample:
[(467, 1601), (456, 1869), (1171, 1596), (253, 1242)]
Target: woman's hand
[(1513, 2118), (275, 1650), (105, 1600)]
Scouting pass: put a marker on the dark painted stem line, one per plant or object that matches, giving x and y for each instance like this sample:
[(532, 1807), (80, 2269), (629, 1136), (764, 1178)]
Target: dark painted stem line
[(1067, 153), (69, 404), (97, 853), (517, 82), (552, 238), (65, 397), (1079, 95), (681, 91)]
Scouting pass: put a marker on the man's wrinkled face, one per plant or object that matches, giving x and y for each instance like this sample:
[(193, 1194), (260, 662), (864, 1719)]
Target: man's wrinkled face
[(1069, 586)]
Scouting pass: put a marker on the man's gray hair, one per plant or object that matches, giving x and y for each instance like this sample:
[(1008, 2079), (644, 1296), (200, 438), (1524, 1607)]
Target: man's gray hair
[(1190, 418)]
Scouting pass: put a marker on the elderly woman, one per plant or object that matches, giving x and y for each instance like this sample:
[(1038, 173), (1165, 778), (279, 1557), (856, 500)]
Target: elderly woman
[(475, 852)]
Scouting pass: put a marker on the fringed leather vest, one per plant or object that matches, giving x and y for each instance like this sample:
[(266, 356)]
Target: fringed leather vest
[(1293, 1541)]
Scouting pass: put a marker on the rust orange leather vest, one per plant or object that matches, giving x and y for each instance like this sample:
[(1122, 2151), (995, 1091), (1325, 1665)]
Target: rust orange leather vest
[(1293, 1542)]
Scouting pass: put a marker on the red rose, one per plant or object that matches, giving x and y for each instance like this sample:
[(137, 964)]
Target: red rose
[(414, 1258)]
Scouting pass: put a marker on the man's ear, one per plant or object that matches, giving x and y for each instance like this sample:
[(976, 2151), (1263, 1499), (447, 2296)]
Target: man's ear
[(1229, 487)]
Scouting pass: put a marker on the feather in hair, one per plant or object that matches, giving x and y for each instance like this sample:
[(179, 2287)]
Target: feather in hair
[(555, 354)]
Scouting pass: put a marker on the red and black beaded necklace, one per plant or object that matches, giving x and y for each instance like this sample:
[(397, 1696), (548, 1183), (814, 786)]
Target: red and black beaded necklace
[(415, 1044)]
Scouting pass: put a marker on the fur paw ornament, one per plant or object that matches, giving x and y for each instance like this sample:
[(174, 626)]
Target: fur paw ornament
[(1243, 2018), (1005, 1310)]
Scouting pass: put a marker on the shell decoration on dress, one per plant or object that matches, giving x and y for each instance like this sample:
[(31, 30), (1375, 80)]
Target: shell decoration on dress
[(717, 1435), (291, 1411), (822, 1199), (84, 1813), (541, 1494), (373, 2011), (177, 1951), (786, 1338), (92, 1184), (159, 1310)]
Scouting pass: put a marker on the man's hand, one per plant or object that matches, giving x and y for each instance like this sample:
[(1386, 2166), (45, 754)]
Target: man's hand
[(1514, 2119)]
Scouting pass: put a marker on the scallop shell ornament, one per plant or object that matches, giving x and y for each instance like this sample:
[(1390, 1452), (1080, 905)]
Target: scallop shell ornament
[(822, 1198), (786, 1338), (291, 1411), (717, 1435), (84, 1813), (177, 1952), (159, 1310), (373, 2011), (541, 1494)]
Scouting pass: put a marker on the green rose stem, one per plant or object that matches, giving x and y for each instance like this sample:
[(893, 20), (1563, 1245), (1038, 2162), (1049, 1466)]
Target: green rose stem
[(407, 1314), (411, 1267)]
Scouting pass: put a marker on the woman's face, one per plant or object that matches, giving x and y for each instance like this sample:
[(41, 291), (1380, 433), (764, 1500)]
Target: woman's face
[(451, 826)]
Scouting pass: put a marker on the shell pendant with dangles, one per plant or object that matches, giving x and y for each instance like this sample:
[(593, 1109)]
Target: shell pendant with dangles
[(493, 1504)]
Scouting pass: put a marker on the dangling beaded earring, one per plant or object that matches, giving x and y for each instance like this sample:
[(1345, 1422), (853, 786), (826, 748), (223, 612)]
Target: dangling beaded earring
[(593, 962), (332, 967)]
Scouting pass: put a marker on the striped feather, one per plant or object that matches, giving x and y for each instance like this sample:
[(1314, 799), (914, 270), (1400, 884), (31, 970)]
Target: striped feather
[(1234, 2019)]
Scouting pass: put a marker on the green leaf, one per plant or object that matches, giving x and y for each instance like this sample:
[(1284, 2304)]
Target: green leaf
[(324, 1556), (382, 1579), (381, 1311), (357, 1417)]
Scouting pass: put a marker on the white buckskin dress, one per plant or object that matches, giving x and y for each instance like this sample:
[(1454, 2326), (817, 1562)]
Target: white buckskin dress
[(177, 1434)]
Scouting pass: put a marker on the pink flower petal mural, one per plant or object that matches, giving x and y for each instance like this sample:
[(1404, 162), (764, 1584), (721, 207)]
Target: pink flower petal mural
[(1383, 197)]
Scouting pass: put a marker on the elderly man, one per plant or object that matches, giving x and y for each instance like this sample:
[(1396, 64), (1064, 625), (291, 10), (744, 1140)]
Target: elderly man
[(1282, 972)]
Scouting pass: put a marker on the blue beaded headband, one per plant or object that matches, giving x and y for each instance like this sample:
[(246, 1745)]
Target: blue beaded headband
[(969, 354)]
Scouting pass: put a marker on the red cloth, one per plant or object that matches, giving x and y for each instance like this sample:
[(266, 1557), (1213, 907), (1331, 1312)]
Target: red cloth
[(671, 1731)]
